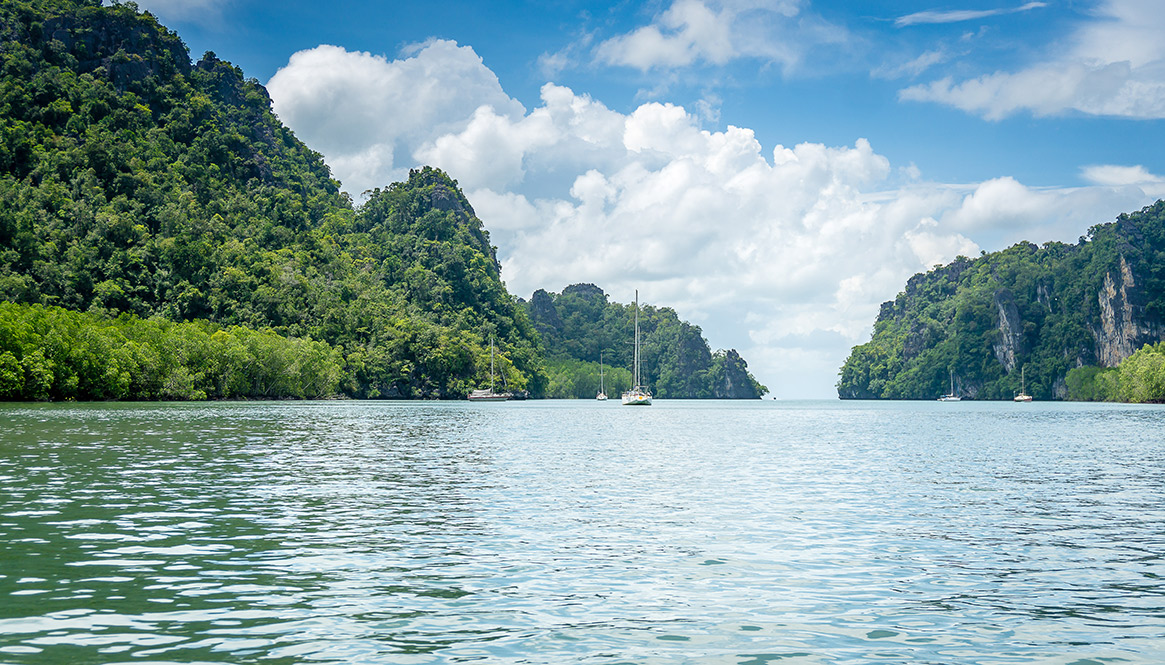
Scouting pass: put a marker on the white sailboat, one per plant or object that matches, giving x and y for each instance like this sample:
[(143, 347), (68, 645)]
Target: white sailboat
[(602, 396), (639, 395), (1022, 396), (951, 396), (484, 395)]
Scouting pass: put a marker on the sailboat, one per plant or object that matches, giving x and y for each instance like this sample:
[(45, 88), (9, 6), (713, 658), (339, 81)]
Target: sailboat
[(602, 396), (951, 396), (1022, 396), (638, 395), (489, 395)]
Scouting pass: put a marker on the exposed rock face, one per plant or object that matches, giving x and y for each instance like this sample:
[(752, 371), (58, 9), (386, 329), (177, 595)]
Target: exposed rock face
[(129, 49), (1010, 330), (917, 341), (445, 198), (1044, 296), (1122, 328)]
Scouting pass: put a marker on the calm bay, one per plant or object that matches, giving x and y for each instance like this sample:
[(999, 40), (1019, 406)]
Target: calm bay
[(582, 532)]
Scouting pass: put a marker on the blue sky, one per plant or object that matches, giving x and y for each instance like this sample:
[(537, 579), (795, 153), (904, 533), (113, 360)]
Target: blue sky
[(771, 169)]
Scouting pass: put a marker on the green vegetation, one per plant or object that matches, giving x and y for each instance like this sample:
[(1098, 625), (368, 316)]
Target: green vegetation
[(1060, 311), (133, 182), (578, 379), (1139, 378), (52, 353), (675, 360), (168, 238)]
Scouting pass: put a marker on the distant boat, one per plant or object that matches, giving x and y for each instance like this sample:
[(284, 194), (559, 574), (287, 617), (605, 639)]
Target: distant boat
[(602, 396), (484, 395), (951, 396), (639, 395), (1022, 396)]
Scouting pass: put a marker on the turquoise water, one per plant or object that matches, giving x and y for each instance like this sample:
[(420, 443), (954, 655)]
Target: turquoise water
[(582, 532)]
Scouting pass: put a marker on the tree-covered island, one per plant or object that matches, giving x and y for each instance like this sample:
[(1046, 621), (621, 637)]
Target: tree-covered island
[(1082, 321), (581, 329), (164, 236)]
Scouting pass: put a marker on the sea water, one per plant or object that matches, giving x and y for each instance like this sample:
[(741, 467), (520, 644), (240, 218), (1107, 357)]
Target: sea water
[(582, 532)]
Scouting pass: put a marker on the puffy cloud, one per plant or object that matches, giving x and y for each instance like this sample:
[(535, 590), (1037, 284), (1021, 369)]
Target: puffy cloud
[(1129, 178), (1113, 175), (688, 31), (716, 32), (784, 254), (368, 114), (1114, 66)]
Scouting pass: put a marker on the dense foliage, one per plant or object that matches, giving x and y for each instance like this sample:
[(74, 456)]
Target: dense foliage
[(1139, 378), (132, 181), (53, 353), (1045, 310), (579, 379), (675, 361)]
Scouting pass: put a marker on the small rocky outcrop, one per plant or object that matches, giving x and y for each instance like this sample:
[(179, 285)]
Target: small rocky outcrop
[(736, 383), (129, 48)]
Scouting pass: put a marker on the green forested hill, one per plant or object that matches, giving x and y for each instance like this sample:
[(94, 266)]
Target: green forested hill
[(1048, 312), (676, 362), (133, 181)]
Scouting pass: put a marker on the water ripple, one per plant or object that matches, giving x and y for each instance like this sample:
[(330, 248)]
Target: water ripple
[(575, 532)]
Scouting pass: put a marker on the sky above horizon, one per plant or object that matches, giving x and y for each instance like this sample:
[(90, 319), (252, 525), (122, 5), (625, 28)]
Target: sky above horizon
[(771, 169)]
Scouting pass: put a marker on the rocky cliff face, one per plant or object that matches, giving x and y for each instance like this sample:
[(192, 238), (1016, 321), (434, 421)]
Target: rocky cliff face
[(1010, 326), (1122, 328), (1048, 309)]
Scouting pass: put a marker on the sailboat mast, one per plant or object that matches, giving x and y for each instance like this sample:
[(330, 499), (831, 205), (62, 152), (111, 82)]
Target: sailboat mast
[(601, 388), (491, 363), (637, 338)]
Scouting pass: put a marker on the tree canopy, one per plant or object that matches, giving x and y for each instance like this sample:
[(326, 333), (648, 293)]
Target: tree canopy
[(1036, 312), (133, 181), (580, 326)]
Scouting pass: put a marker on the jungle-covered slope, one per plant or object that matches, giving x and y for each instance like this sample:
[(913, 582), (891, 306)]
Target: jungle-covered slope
[(135, 181), (580, 324), (1047, 312)]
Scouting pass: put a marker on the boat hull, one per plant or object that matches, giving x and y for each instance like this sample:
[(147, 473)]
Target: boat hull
[(636, 398), (487, 396)]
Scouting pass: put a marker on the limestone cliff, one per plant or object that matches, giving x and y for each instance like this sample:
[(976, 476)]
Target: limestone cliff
[(1010, 328), (1044, 309), (1122, 327)]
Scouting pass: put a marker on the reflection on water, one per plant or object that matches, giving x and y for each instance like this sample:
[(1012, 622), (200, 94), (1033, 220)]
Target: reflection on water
[(580, 532)]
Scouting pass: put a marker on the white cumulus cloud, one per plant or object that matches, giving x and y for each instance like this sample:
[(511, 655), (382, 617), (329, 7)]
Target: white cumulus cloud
[(1135, 178), (784, 253), (1113, 65), (367, 114)]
